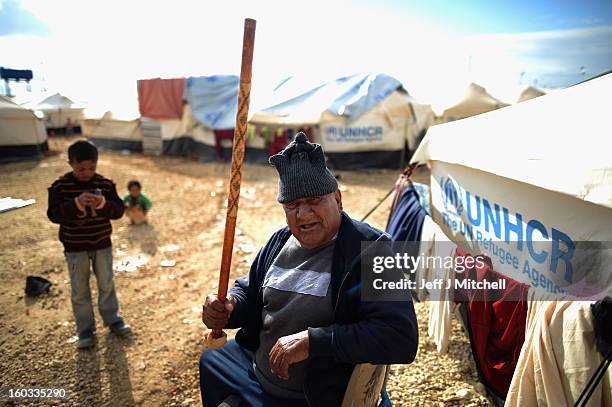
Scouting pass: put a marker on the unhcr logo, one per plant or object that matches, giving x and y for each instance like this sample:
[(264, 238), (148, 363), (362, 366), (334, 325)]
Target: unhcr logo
[(451, 196)]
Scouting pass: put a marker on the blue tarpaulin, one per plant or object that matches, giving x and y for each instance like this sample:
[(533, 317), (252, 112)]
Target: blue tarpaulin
[(351, 96), (366, 91), (213, 100)]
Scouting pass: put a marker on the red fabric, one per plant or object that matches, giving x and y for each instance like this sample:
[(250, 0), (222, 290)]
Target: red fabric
[(161, 98), (309, 133), (227, 134), (497, 322), (278, 143)]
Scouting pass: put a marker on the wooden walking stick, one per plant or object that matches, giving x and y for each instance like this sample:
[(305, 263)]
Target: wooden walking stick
[(217, 338)]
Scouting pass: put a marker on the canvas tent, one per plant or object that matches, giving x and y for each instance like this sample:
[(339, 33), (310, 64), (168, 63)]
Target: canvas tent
[(113, 130), (362, 120), (206, 128), (475, 101), (529, 93), (558, 171), (22, 134), (186, 137), (534, 195), (59, 111)]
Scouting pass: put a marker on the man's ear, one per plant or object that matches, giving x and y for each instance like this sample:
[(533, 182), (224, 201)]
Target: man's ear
[(338, 198)]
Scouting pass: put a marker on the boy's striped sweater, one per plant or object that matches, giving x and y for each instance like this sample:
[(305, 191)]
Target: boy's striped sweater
[(78, 232)]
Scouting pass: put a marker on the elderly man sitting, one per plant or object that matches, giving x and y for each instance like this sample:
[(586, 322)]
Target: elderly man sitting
[(304, 324)]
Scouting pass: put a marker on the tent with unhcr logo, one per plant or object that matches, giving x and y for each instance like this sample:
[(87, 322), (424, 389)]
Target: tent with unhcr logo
[(362, 121), (536, 171), (529, 187)]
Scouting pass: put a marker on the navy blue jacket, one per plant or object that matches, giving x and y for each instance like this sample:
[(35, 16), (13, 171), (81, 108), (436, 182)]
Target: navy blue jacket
[(376, 332)]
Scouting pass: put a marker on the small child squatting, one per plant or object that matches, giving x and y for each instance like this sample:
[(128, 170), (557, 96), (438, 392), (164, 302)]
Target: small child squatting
[(137, 203)]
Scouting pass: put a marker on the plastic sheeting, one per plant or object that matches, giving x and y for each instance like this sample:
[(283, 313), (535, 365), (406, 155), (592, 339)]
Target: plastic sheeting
[(213, 100), (294, 104)]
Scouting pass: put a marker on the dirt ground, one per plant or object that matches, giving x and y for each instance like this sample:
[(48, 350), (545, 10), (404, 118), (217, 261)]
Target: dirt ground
[(158, 364)]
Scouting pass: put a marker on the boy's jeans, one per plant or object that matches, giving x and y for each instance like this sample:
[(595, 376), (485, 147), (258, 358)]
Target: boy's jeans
[(79, 267)]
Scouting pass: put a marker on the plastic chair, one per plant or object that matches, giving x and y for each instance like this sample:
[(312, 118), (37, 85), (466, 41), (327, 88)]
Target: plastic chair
[(365, 386)]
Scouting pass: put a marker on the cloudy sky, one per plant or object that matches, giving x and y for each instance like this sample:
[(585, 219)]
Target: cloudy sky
[(95, 50)]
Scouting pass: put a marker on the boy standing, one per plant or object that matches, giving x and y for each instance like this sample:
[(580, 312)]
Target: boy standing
[(82, 202)]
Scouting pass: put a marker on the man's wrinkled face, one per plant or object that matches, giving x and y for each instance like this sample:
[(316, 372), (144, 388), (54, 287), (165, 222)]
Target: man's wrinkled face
[(314, 221), (83, 170)]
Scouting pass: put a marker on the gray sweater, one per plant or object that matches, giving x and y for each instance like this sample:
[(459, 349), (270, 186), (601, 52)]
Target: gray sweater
[(296, 296)]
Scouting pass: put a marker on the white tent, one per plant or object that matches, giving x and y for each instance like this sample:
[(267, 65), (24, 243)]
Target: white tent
[(529, 93), (389, 126), (475, 101), (112, 130), (59, 111), (361, 120), (187, 137), (22, 134), (532, 181)]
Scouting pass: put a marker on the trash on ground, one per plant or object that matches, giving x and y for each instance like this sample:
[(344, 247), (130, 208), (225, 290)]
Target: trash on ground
[(8, 203), (247, 248), (170, 248), (131, 264), (167, 263), (36, 286)]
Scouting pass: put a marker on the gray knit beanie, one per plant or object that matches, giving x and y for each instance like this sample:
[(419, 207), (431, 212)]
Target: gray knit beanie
[(302, 170)]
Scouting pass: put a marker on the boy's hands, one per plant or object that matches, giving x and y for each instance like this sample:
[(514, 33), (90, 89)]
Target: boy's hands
[(88, 199)]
